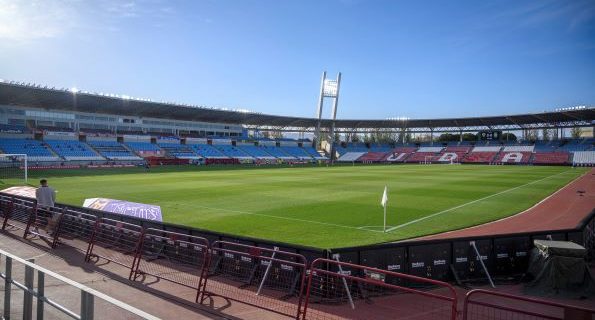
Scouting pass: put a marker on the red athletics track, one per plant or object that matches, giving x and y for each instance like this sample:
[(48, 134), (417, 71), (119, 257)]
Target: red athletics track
[(564, 209)]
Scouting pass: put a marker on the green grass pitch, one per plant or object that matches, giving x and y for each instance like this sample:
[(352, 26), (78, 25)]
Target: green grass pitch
[(323, 207)]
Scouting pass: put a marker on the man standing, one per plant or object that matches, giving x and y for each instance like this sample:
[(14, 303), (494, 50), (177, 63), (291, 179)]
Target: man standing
[(46, 198)]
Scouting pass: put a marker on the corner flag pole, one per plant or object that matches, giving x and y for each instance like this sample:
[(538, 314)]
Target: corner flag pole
[(384, 203)]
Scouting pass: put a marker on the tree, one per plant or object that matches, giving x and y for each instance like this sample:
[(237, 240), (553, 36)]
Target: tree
[(507, 136), (576, 132), (337, 138), (447, 137), (469, 136), (531, 135), (546, 134)]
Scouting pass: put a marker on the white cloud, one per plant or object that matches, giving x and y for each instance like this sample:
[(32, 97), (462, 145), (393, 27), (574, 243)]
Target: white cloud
[(23, 21)]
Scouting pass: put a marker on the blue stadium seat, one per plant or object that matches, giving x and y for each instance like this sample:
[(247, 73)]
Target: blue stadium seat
[(113, 150), (73, 150), (35, 150), (207, 151)]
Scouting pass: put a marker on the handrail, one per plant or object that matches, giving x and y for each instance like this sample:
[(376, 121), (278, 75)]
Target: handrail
[(84, 289)]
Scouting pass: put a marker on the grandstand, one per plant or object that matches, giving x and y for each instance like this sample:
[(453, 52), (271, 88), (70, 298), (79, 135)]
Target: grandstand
[(177, 150), (35, 150), (113, 150), (208, 152), (99, 134), (73, 150), (257, 152)]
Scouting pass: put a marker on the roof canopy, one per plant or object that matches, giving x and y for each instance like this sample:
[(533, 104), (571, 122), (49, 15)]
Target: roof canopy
[(67, 100)]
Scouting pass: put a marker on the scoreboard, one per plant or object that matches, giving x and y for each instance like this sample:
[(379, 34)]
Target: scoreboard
[(489, 135)]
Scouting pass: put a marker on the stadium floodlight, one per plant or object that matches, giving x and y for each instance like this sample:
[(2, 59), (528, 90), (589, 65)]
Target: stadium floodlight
[(329, 88)]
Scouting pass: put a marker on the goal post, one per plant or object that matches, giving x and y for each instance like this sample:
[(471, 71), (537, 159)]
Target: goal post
[(14, 168)]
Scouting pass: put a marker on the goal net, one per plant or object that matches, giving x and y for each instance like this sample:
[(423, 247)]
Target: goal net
[(13, 169)]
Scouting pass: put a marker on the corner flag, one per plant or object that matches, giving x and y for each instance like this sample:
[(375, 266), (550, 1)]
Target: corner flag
[(384, 202)]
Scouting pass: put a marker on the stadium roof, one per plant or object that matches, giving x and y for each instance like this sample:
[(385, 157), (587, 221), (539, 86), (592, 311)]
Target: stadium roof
[(73, 100)]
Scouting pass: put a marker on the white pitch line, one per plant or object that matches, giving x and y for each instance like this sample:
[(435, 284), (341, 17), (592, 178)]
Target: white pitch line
[(287, 218), (283, 218), (471, 202)]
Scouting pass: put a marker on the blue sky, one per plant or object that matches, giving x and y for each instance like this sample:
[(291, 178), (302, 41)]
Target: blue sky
[(418, 59)]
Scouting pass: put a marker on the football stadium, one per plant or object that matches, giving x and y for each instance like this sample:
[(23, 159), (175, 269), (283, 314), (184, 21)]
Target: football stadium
[(119, 207)]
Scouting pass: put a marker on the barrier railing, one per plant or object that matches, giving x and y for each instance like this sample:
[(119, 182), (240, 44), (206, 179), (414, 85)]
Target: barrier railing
[(172, 256), (274, 279), (489, 305), (75, 229), (115, 241), (269, 279), (43, 223), (93, 304), (6, 205), (338, 290), (20, 214)]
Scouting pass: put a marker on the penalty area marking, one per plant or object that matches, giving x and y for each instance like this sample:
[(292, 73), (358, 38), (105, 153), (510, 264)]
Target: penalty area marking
[(472, 202), (372, 228), (279, 217)]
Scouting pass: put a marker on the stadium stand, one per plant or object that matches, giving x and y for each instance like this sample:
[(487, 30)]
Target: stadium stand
[(351, 147), (546, 146), (513, 157), (35, 150), (208, 152), (7, 128), (297, 152), (576, 145), (233, 152), (180, 151), (380, 148), (113, 150), (558, 158), (482, 154), (278, 153), (372, 157), (73, 150), (142, 146), (520, 154), (399, 154), (350, 156), (311, 151), (518, 148), (453, 154), (583, 158), (256, 152), (54, 129), (424, 154)]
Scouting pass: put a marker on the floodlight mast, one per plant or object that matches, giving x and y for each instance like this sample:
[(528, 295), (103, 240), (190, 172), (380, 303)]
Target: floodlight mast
[(335, 105), (319, 114), (328, 89)]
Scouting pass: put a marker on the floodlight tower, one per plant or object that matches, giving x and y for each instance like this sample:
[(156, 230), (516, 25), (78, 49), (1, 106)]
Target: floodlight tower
[(329, 88)]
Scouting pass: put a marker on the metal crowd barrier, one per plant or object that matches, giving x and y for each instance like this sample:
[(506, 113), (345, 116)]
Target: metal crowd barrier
[(489, 305), (266, 278), (89, 298), (115, 241), (338, 290), (175, 257)]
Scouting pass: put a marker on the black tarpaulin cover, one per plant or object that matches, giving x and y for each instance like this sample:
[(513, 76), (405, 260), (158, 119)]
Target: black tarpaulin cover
[(559, 268)]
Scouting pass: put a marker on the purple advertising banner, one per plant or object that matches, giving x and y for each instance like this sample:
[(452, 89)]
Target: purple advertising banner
[(127, 208)]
